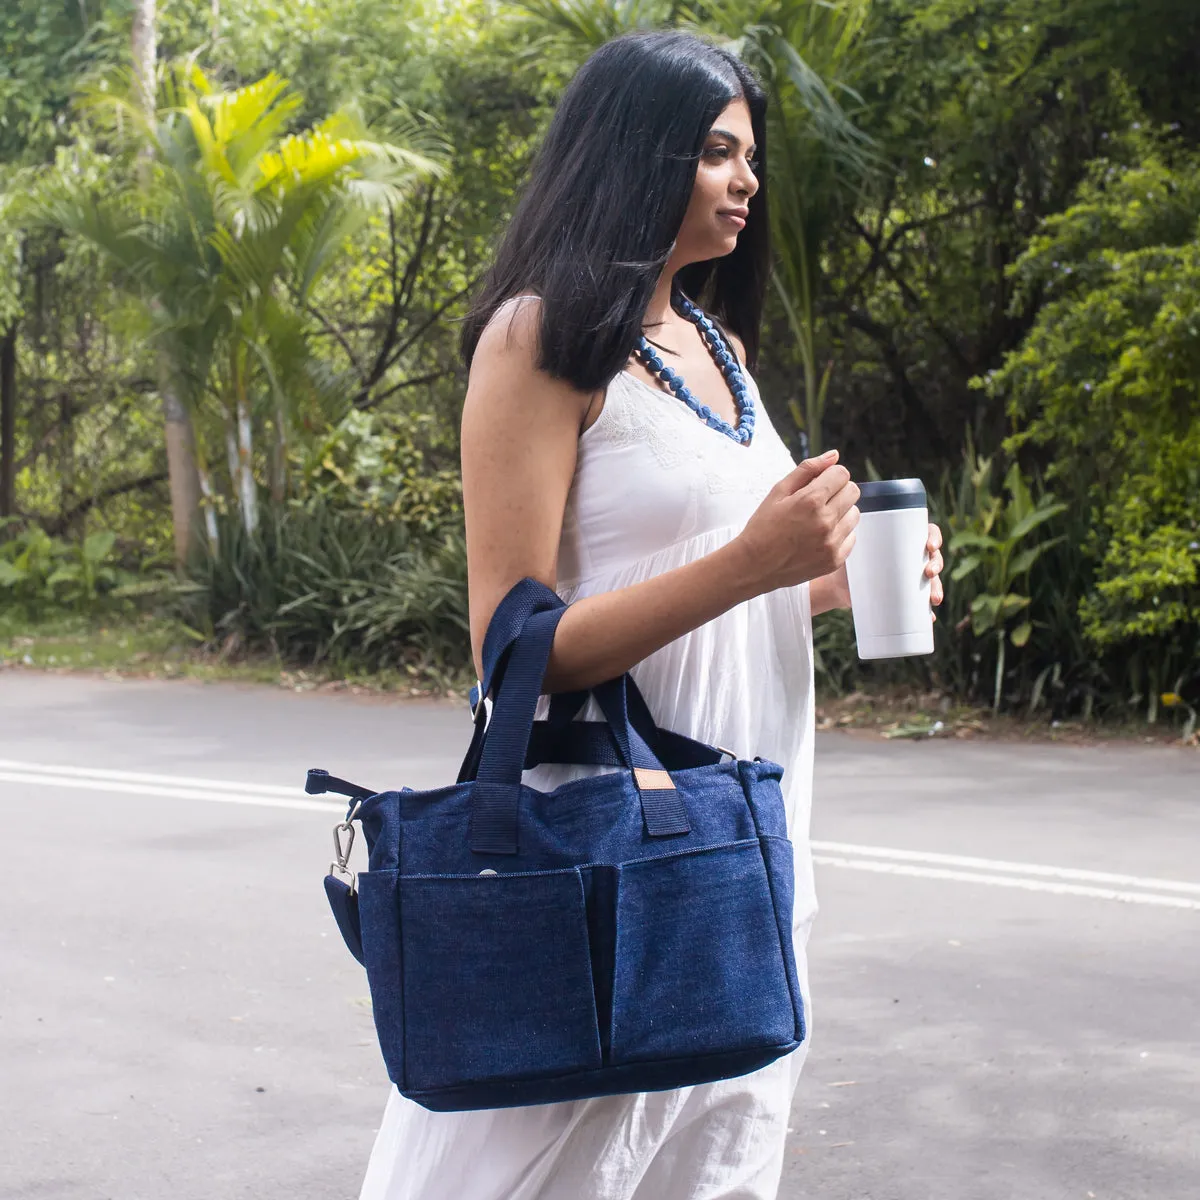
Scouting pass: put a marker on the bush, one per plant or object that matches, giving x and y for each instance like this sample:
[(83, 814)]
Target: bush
[(318, 584), (1108, 382), (40, 575), (392, 467)]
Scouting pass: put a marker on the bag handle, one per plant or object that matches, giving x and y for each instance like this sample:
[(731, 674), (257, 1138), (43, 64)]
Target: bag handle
[(523, 600), (523, 629), (597, 748)]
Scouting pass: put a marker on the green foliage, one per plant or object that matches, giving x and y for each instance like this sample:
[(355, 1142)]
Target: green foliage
[(394, 468), (1000, 552), (835, 653), (984, 115), (232, 225), (301, 296), (46, 49), (315, 584), (1108, 381), (40, 574)]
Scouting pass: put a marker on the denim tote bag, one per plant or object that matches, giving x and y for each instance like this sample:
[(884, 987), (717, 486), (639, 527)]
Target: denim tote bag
[(626, 932)]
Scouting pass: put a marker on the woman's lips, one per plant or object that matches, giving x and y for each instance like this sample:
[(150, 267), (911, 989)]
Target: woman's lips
[(733, 219)]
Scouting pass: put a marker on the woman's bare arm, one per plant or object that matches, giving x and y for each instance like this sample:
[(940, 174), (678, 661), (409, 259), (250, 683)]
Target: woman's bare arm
[(520, 436)]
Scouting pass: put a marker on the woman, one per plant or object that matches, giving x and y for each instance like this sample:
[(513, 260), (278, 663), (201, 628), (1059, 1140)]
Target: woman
[(691, 548)]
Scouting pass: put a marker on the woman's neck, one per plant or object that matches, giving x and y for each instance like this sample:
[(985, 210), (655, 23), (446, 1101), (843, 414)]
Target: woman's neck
[(660, 315)]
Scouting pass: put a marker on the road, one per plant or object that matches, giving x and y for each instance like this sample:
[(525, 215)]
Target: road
[(1005, 967)]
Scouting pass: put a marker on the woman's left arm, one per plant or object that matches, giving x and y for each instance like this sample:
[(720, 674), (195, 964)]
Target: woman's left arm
[(833, 591)]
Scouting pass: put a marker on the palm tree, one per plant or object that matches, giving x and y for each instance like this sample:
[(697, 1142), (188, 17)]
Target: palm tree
[(233, 223), (178, 433), (805, 51)]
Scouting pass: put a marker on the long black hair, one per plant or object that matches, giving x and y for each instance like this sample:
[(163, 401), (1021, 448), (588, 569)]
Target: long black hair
[(606, 197)]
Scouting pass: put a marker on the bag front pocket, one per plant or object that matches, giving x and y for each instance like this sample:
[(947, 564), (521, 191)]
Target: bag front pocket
[(699, 966), (497, 978)]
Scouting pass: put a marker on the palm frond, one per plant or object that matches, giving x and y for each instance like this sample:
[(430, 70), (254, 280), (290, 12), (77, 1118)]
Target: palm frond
[(580, 26)]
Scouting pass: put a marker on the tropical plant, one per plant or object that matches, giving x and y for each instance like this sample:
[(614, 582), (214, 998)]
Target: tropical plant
[(228, 225), (39, 573), (317, 584), (996, 546), (836, 665)]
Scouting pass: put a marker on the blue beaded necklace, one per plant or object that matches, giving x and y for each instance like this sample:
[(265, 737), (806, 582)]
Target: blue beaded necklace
[(725, 359)]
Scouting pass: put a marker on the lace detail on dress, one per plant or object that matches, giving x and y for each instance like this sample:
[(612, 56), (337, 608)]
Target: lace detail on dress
[(629, 423), (637, 414)]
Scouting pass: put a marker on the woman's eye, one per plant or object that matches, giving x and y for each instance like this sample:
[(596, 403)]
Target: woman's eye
[(721, 153)]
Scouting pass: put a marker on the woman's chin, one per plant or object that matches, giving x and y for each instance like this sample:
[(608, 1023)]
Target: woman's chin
[(716, 246), (723, 243)]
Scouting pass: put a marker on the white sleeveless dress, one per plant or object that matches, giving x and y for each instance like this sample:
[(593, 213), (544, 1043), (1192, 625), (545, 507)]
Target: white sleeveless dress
[(654, 488)]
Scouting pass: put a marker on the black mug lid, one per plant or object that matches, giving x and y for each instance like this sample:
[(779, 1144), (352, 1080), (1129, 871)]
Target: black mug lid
[(885, 495)]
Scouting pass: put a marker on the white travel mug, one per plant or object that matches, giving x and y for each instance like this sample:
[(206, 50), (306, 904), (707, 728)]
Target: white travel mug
[(889, 590)]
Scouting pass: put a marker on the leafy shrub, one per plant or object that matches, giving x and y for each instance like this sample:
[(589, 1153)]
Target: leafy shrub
[(835, 655), (317, 584), (40, 574), (1108, 381), (1001, 550), (394, 467)]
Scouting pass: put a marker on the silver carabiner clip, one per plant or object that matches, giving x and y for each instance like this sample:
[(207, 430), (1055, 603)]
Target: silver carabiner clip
[(343, 843)]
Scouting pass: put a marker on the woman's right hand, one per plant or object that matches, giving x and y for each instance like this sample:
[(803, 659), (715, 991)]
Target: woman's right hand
[(804, 527)]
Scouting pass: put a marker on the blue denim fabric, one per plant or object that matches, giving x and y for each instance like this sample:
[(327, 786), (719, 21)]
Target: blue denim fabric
[(598, 958), (595, 961)]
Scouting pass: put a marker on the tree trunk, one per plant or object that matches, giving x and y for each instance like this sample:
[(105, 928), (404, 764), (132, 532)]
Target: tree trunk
[(279, 459), (247, 492), (8, 421), (66, 457), (210, 512), (177, 423), (181, 470), (144, 50)]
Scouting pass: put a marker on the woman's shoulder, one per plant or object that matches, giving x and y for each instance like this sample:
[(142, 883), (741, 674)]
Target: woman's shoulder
[(506, 366), (511, 339), (515, 323)]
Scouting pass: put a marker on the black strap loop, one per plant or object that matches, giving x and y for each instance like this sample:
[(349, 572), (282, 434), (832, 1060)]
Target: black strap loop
[(320, 781)]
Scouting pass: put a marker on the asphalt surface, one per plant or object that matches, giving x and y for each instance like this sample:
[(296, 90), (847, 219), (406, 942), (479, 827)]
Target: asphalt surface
[(1005, 967)]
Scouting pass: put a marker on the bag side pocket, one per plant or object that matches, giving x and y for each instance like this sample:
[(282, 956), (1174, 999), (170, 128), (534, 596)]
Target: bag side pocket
[(379, 916), (777, 851)]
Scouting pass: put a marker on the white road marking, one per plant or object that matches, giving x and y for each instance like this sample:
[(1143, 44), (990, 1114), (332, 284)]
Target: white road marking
[(175, 781), (845, 849), (1008, 881), (879, 859), (262, 800)]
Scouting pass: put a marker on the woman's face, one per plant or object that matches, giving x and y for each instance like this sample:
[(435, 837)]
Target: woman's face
[(725, 182)]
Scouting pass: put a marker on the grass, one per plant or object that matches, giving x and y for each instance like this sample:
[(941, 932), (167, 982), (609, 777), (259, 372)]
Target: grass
[(155, 647)]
